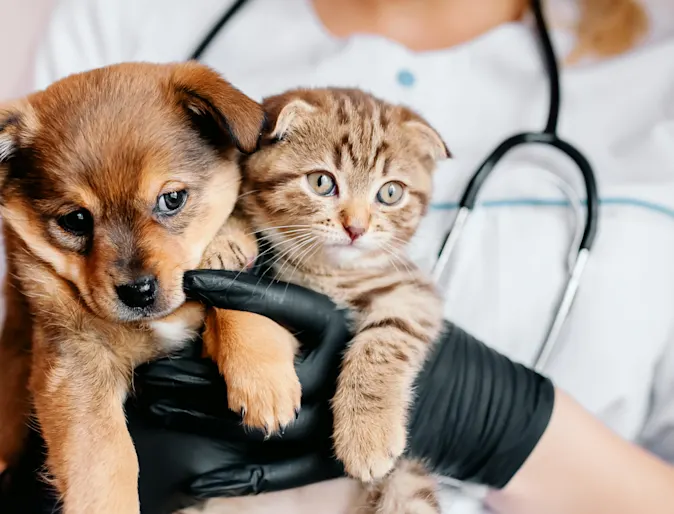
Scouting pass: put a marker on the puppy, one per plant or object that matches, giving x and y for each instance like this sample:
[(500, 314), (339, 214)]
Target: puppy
[(114, 182)]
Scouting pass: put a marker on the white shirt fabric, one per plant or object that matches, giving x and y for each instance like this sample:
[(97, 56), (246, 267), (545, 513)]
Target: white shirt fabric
[(616, 353)]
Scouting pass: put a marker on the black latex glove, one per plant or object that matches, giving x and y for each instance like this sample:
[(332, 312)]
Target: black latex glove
[(477, 416), (189, 444)]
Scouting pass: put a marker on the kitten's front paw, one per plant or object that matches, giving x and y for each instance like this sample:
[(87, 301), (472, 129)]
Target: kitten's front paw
[(369, 437), (230, 254)]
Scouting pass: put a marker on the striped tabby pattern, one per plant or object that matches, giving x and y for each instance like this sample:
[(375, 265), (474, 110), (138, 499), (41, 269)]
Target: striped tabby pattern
[(339, 188)]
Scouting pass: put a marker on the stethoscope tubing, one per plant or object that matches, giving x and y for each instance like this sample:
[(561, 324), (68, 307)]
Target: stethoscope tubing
[(547, 137), (469, 198)]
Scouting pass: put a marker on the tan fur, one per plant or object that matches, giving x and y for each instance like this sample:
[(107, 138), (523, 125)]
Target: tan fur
[(256, 357), (363, 143), (112, 141)]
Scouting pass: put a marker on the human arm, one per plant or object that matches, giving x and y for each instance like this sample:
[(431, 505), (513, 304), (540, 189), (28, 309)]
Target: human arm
[(580, 466), (607, 473)]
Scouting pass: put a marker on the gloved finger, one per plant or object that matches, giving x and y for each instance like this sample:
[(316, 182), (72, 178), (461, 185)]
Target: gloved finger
[(262, 478), (290, 305), (178, 373), (185, 414), (166, 387), (317, 368), (196, 384)]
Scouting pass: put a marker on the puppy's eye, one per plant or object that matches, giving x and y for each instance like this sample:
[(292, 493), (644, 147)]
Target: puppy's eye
[(171, 203), (390, 193), (78, 223), (323, 183)]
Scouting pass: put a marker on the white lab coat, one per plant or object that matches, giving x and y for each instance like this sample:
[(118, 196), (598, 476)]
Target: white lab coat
[(616, 354)]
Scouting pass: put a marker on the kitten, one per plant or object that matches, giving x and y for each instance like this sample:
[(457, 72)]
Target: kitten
[(338, 188)]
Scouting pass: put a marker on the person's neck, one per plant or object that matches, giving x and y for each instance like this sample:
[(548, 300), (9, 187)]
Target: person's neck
[(418, 24)]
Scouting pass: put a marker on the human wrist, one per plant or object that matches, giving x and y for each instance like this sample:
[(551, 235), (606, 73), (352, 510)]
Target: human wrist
[(478, 415)]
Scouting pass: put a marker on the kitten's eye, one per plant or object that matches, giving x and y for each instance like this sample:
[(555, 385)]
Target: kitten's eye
[(322, 183), (169, 204), (79, 222), (390, 193)]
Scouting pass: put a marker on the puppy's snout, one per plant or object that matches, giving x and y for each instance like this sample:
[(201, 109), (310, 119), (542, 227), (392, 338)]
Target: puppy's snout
[(138, 294)]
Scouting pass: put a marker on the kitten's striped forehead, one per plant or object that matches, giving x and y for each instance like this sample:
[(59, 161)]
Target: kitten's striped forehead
[(360, 130), (351, 133), (361, 123)]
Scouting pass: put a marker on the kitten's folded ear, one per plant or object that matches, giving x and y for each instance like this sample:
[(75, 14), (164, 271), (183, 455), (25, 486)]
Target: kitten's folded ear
[(284, 112), (428, 137), (217, 109)]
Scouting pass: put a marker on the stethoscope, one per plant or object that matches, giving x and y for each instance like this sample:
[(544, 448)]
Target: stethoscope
[(548, 136)]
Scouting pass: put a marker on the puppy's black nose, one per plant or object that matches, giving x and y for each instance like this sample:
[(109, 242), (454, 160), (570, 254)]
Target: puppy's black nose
[(139, 293)]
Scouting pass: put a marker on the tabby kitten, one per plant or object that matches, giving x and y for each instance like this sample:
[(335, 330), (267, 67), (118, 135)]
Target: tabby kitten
[(338, 188)]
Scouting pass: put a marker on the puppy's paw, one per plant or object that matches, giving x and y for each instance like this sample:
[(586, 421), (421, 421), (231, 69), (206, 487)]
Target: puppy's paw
[(268, 397), (257, 359), (230, 253), (369, 435)]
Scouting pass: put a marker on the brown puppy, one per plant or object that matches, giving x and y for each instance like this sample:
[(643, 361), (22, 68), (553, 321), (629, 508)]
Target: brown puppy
[(113, 183)]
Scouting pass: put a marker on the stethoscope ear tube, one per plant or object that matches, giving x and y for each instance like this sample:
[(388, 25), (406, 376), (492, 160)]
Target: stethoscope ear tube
[(469, 197), (215, 30), (547, 137), (469, 200), (545, 351)]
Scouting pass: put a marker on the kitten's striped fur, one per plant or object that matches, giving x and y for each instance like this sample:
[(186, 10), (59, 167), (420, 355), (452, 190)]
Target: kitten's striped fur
[(363, 143)]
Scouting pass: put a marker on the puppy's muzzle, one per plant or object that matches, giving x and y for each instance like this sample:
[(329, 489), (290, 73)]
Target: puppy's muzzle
[(139, 294)]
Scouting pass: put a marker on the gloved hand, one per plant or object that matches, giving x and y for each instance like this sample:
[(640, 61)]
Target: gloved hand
[(477, 415), (211, 454), (476, 418), (189, 444)]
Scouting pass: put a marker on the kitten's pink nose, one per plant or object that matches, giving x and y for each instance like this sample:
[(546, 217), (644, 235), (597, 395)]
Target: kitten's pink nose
[(354, 231)]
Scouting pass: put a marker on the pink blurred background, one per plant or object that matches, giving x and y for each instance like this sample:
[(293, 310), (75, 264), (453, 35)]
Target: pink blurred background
[(22, 22)]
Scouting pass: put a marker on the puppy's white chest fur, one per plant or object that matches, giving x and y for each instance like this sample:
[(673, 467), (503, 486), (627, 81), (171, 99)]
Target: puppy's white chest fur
[(173, 334)]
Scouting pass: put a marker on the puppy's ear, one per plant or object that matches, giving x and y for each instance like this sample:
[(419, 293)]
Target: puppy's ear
[(10, 127), (220, 112), (17, 128), (283, 112)]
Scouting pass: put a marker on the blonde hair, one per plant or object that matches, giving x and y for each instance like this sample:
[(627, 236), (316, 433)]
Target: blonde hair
[(606, 28)]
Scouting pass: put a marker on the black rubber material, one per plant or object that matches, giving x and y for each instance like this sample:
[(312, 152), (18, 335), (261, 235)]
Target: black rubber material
[(492, 411), (224, 19), (548, 136)]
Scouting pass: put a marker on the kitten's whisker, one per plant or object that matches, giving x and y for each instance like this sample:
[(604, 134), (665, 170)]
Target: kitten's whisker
[(307, 255), (247, 193), (302, 239), (391, 256), (277, 227), (397, 239), (287, 246), (288, 256), (396, 255), (287, 241)]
